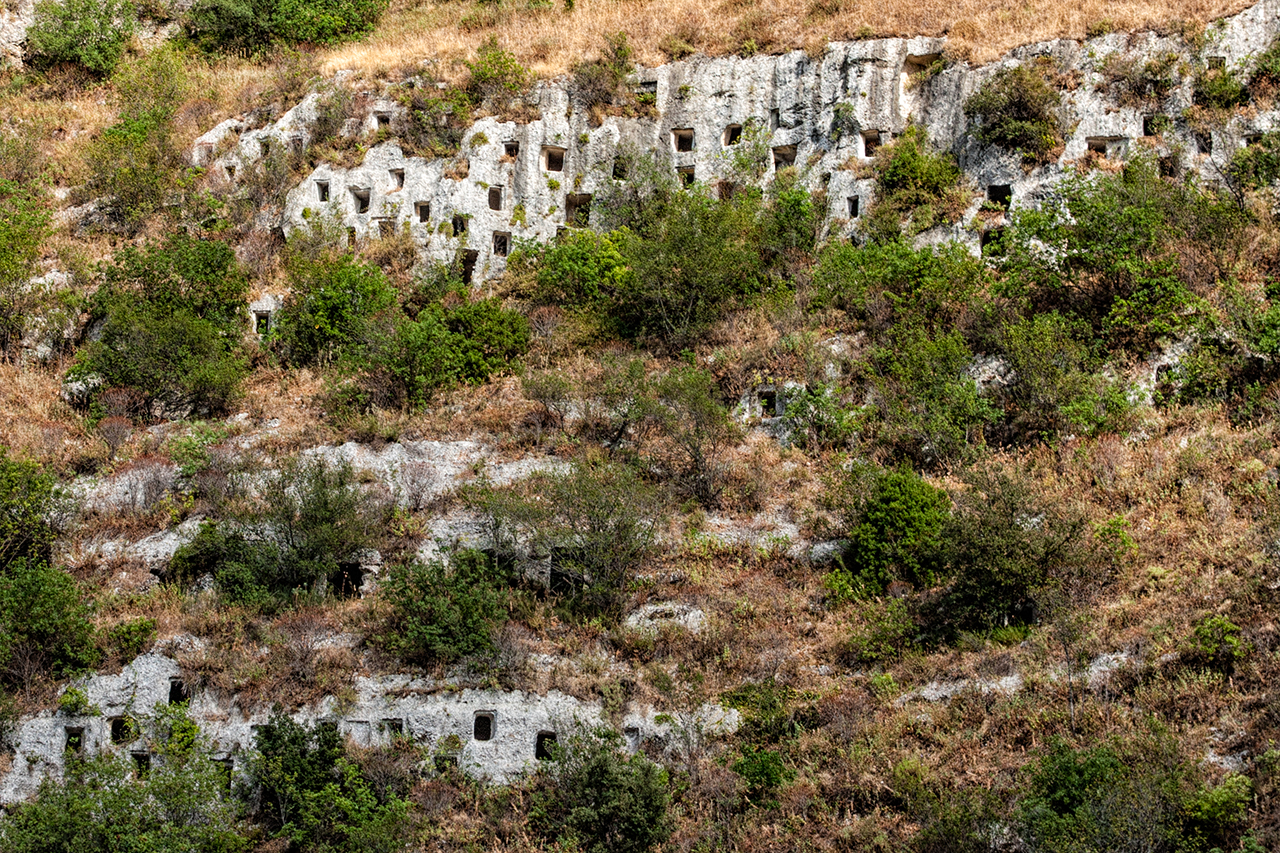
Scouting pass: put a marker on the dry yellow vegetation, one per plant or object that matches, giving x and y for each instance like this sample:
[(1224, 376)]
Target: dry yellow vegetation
[(549, 38)]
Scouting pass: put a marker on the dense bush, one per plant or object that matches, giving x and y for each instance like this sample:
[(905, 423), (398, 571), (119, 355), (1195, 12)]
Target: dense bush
[(23, 229), (1017, 110), (44, 625), (304, 536), (171, 324), (893, 521), (252, 26), (696, 434), (1104, 799), (602, 82), (916, 187), (439, 613), (1257, 165), (331, 301), (584, 270), (600, 800), (1219, 89), (91, 33), (1110, 254), (30, 506), (1216, 643), (495, 74), (312, 794), (100, 806)]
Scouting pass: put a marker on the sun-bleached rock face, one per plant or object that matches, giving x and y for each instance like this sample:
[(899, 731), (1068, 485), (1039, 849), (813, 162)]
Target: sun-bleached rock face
[(824, 115)]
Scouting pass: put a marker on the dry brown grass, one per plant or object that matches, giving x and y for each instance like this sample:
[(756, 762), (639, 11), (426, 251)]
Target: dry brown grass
[(551, 40)]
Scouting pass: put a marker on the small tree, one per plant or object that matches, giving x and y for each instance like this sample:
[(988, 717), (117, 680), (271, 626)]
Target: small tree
[(1017, 109), (90, 33)]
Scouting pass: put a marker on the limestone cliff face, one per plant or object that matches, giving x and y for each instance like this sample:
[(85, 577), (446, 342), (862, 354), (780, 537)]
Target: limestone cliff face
[(824, 115)]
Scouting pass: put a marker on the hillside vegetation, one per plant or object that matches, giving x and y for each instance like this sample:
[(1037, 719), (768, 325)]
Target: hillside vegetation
[(1019, 579)]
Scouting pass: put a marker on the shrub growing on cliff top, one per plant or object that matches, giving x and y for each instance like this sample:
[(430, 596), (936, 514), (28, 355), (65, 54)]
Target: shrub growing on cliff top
[(252, 26), (90, 33)]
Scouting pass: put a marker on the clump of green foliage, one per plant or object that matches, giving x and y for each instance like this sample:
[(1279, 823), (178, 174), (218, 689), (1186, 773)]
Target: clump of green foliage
[(495, 74), (1257, 165), (44, 625), (442, 612), (315, 796), (599, 800), (602, 82), (332, 298), (1017, 110), (301, 540), (89, 33), (916, 187), (893, 521), (22, 232), (172, 326), (254, 26), (1216, 643), (1219, 89)]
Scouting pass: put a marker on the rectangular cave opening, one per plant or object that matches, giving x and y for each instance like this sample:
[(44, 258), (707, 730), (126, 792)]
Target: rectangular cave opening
[(351, 237), (264, 146), (346, 581), (918, 63), (768, 403), (361, 197), (261, 322), (1217, 63), (459, 224), (552, 159), (732, 135), (226, 767), (382, 118), (482, 727), (647, 87), (775, 118), (322, 190), (445, 763), (397, 178), (544, 746), (682, 138), (1153, 125), (1204, 142), (469, 259), (501, 243), (855, 202), (1000, 195), (177, 691), (784, 156), (686, 175), (870, 142), (120, 730), (141, 763), (992, 242), (75, 739), (577, 209), (511, 149), (495, 198), (619, 169), (424, 210), (386, 228), (393, 726)]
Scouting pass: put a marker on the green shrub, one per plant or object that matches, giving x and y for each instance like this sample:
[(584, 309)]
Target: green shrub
[(1017, 110), (1266, 70), (927, 405), (762, 772), (488, 338), (44, 625), (311, 794), (887, 632), (23, 229), (583, 270), (893, 521), (601, 82), (791, 223), (1006, 552), (180, 805), (1054, 389), (331, 301), (495, 74), (1219, 89), (600, 800), (435, 120), (30, 506), (698, 431), (915, 186), (303, 537), (1258, 165), (595, 522), (1216, 644), (252, 26), (91, 33), (131, 638), (818, 419), (440, 613)]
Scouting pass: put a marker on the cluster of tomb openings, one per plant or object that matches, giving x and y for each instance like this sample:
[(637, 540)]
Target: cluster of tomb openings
[(361, 197), (577, 209), (553, 159), (544, 746), (495, 198), (682, 139), (397, 179), (784, 156), (1000, 195)]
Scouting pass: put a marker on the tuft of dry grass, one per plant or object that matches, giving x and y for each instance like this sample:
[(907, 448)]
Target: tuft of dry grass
[(550, 40)]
